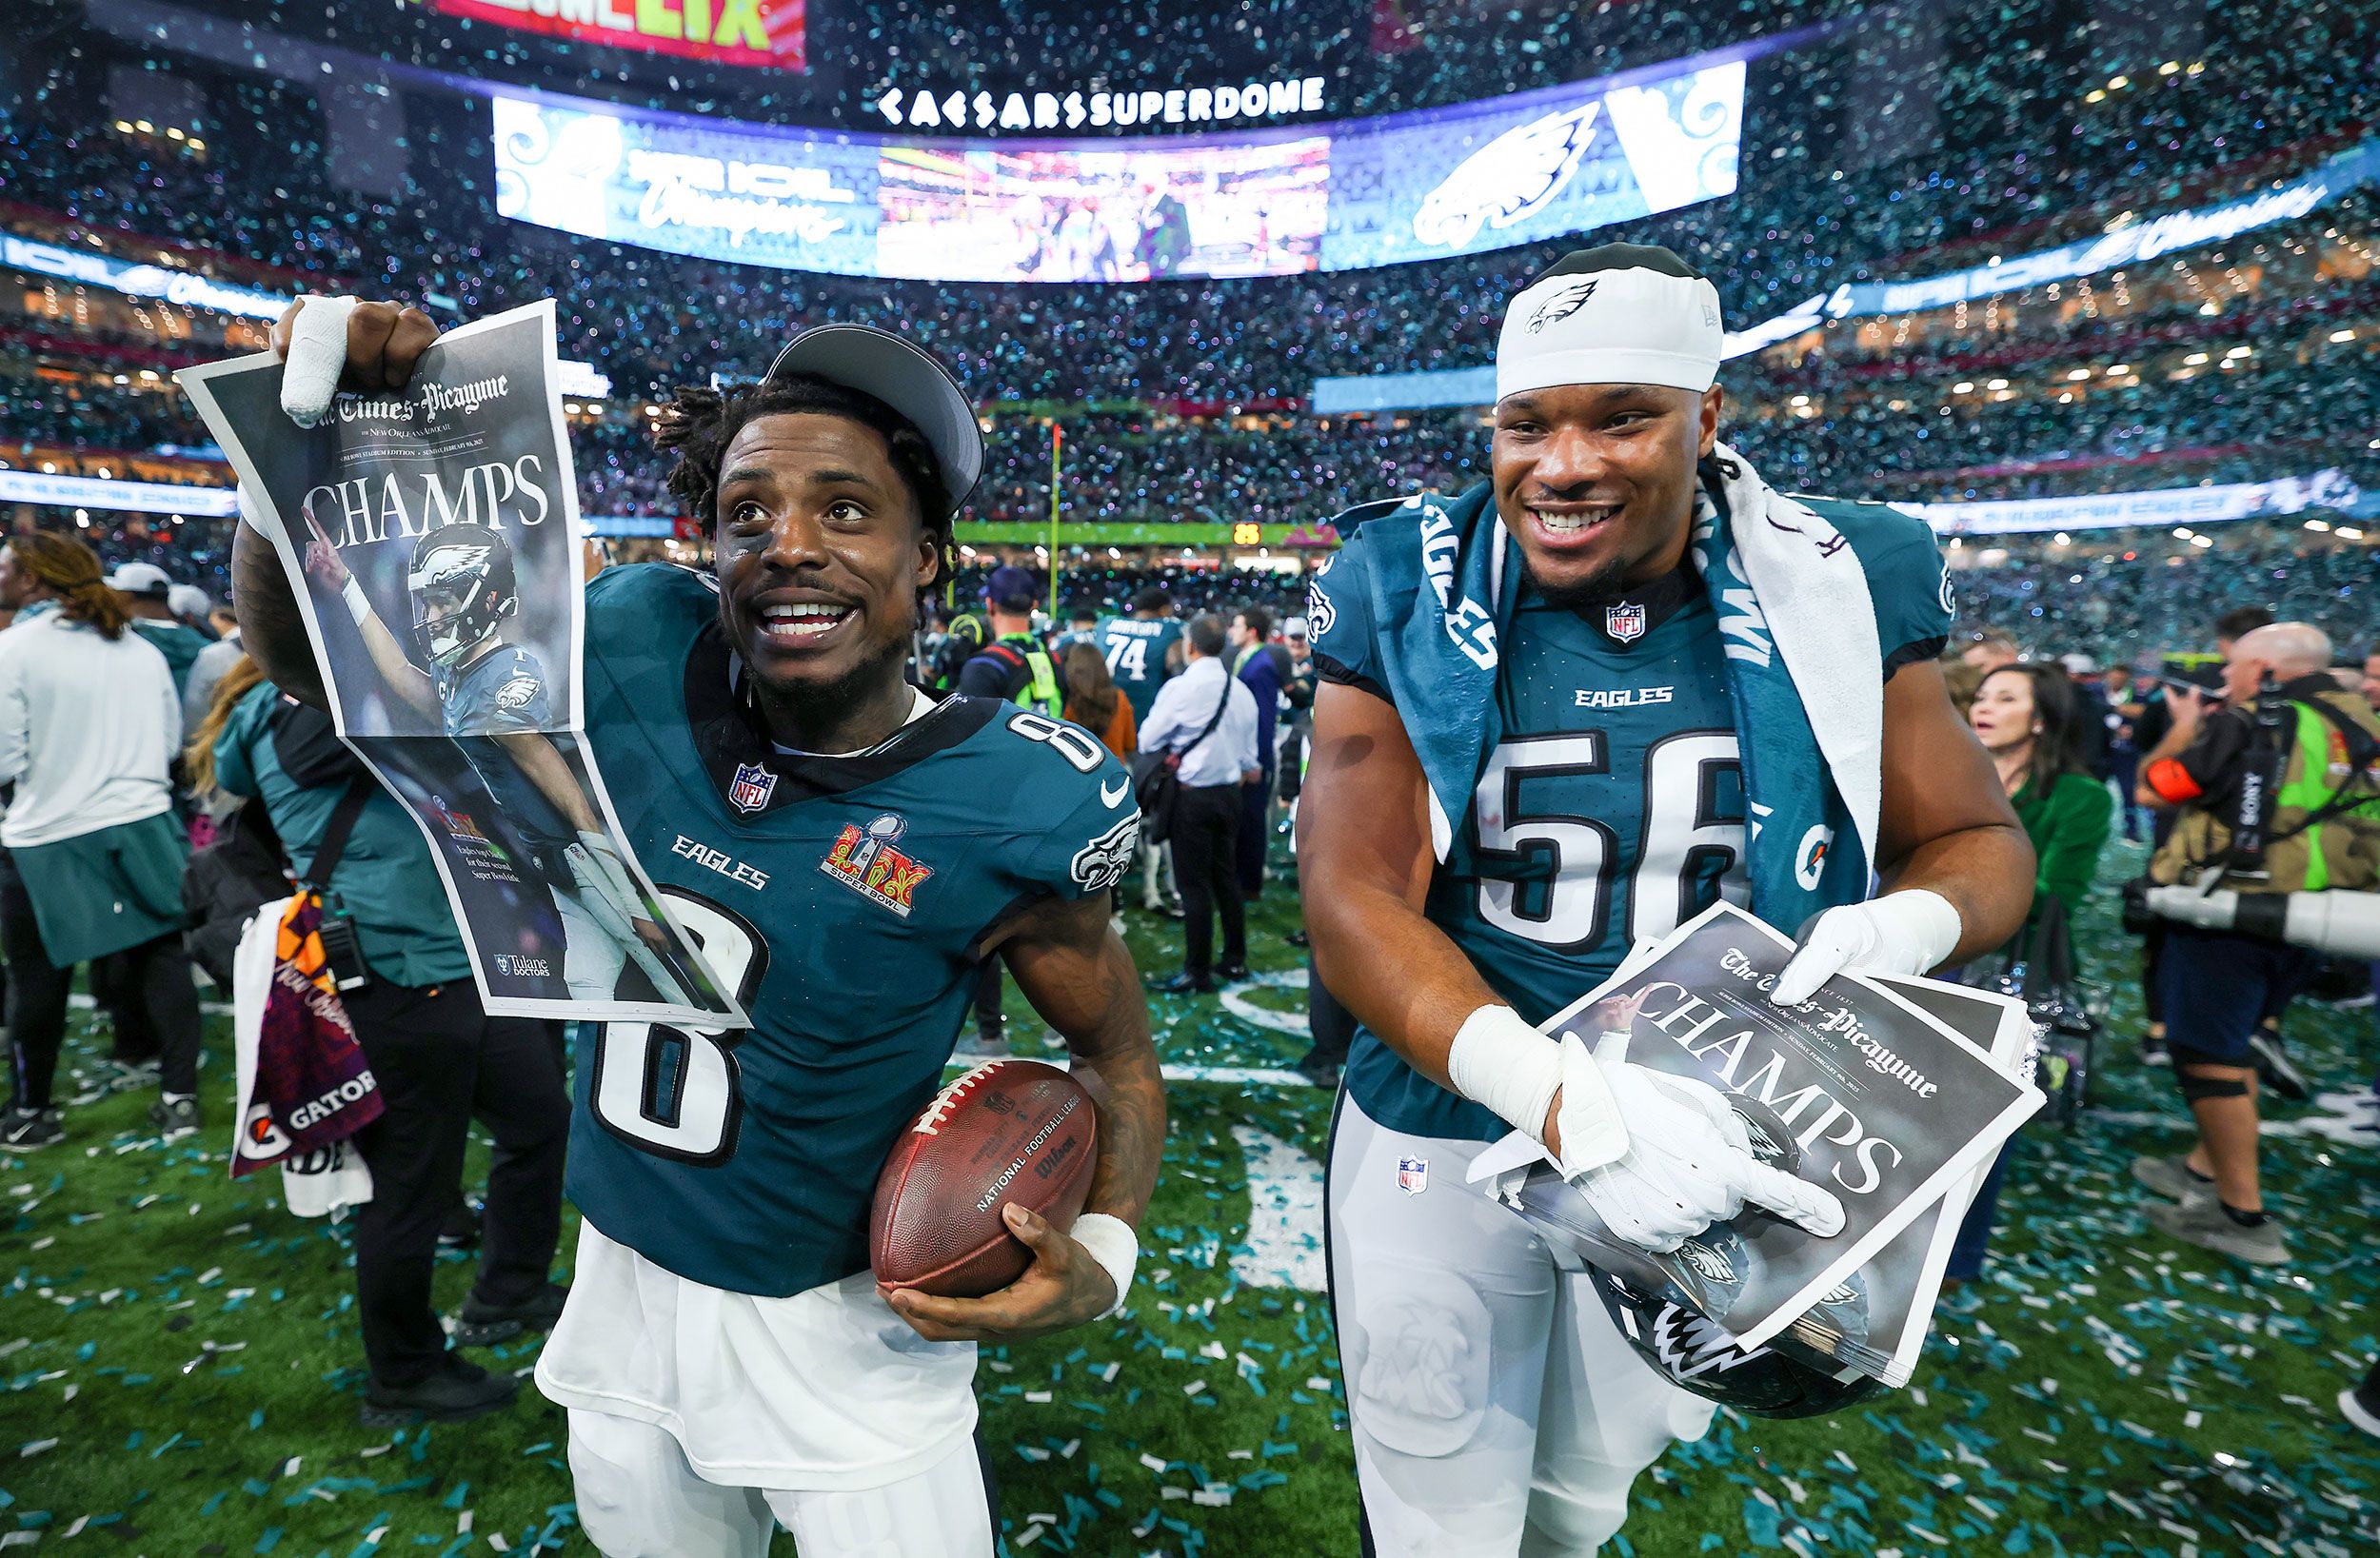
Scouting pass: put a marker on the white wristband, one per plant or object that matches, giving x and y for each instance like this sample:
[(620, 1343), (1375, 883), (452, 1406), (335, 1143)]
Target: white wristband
[(1498, 1060), (353, 593), (1115, 1246), (1933, 922)]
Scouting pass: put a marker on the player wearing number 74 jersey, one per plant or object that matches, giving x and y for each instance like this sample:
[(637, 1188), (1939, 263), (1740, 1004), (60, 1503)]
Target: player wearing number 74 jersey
[(846, 852), (1562, 713)]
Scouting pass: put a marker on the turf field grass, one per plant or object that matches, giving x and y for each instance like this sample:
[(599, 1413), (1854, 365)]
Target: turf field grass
[(181, 1364)]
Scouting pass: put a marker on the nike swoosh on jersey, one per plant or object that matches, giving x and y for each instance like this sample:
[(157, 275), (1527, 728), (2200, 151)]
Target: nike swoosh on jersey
[(1123, 788)]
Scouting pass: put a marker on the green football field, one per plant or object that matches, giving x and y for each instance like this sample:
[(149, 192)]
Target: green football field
[(182, 1362)]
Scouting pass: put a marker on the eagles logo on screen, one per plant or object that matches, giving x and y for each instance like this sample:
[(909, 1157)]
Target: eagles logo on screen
[(1101, 863), (463, 585), (1514, 176)]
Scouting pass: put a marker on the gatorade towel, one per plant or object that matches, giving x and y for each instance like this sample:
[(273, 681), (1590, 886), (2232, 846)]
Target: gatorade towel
[(305, 1085)]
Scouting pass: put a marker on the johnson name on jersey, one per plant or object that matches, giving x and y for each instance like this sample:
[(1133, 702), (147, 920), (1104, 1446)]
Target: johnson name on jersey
[(1136, 650), (844, 899)]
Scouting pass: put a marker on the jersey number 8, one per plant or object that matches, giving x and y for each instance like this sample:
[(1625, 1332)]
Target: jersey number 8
[(677, 1093), (1072, 742)]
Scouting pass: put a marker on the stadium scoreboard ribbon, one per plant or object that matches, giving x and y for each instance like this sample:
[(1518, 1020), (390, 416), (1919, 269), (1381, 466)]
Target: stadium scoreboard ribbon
[(1424, 184)]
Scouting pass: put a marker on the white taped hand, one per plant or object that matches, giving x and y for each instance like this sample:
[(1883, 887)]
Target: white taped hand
[(1688, 1162), (1910, 932), (317, 355)]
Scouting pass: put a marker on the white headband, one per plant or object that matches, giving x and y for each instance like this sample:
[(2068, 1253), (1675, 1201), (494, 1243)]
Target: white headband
[(1626, 327)]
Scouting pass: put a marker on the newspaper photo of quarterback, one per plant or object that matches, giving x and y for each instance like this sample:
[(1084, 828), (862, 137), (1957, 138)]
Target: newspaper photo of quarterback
[(493, 701), (846, 852), (1563, 712), (427, 533)]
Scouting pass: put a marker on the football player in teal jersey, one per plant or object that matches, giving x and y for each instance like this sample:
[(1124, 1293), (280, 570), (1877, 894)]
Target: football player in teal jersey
[(1142, 652), (1139, 648), (846, 851), (1473, 865)]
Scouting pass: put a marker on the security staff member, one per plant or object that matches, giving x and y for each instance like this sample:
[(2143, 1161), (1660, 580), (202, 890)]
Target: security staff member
[(440, 1059), (2276, 793), (1014, 668)]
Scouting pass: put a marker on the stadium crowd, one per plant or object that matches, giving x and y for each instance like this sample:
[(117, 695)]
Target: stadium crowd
[(2112, 676)]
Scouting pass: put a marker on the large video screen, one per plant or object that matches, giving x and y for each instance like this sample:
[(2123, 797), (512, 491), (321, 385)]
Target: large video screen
[(1341, 196), (990, 213), (752, 32), (1487, 175)]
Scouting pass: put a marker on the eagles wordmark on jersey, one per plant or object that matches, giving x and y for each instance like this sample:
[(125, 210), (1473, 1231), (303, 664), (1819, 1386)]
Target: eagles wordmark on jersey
[(843, 898), (1614, 809)]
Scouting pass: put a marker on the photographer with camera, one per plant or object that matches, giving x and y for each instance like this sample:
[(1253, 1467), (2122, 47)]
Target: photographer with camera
[(2275, 794)]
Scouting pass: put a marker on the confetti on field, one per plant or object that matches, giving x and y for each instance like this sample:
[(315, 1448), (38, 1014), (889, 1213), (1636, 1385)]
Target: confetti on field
[(2098, 1390)]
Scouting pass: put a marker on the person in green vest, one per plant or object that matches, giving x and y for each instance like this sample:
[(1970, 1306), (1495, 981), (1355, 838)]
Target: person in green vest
[(145, 586), (1013, 667), (2288, 734), (2030, 722)]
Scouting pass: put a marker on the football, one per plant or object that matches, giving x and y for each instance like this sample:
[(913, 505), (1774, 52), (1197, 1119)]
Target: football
[(1007, 1131)]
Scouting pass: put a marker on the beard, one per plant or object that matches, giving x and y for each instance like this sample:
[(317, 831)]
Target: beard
[(1604, 585), (814, 716)]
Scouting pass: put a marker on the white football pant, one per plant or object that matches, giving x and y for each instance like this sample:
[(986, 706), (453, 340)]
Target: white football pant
[(1496, 1408), (638, 1498)]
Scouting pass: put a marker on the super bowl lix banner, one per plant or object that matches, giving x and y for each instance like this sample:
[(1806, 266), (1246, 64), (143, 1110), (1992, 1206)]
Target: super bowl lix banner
[(431, 535)]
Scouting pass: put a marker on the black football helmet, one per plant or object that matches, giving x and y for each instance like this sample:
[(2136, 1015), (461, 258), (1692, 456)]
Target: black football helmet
[(1786, 1378), (466, 573)]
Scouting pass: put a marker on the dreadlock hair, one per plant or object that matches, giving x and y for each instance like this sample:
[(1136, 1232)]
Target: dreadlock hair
[(699, 423), (72, 570)]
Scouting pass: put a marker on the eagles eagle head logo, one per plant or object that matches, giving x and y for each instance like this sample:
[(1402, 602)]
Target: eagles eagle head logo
[(1512, 177)]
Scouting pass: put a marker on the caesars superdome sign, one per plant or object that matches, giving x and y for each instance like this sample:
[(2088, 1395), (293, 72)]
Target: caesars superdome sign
[(944, 105)]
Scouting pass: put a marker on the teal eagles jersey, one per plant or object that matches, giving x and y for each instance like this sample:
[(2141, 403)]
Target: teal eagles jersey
[(504, 691), (1136, 648), (1614, 810), (842, 899)]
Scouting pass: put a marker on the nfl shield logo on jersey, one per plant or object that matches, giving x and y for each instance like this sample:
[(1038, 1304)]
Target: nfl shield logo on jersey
[(753, 785), (1625, 622), (1412, 1174)]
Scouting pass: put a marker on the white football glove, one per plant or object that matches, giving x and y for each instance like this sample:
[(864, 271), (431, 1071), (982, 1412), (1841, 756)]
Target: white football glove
[(1910, 932), (1688, 1162), (318, 352)]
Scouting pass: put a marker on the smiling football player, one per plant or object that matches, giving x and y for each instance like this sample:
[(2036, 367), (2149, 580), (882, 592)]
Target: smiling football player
[(846, 852), (1563, 713)]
